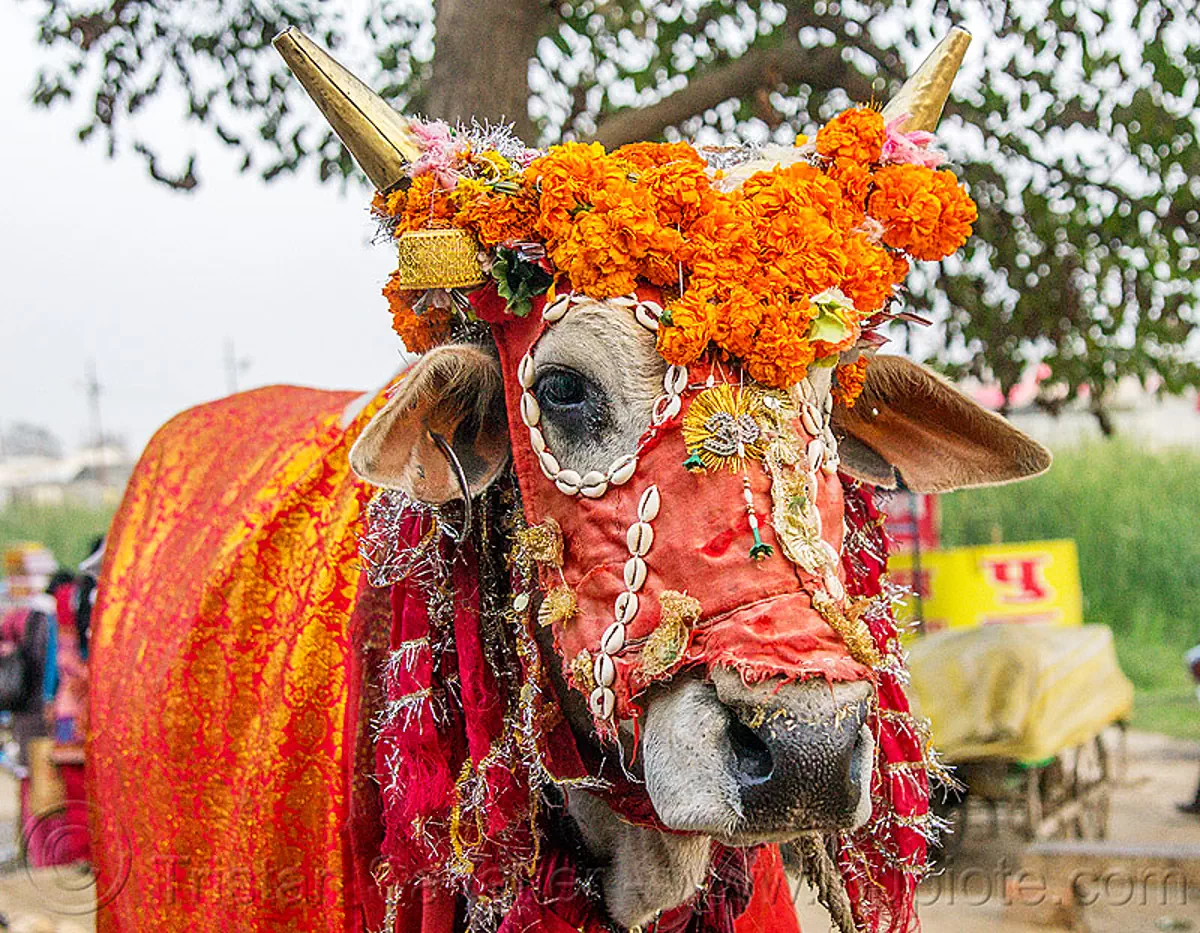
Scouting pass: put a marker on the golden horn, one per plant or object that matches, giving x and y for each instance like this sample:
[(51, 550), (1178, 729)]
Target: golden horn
[(377, 136), (924, 94)]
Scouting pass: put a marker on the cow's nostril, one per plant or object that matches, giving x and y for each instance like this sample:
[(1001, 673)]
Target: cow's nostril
[(752, 759)]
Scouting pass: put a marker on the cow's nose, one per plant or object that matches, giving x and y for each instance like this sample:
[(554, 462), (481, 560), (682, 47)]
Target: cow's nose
[(802, 760), (753, 762)]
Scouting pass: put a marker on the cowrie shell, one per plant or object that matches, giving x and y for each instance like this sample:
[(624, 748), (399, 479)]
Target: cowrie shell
[(567, 481), (816, 450), (830, 466), (646, 316), (602, 702), (593, 485), (623, 301), (676, 379), (639, 538), (831, 555), (666, 408), (649, 504), (549, 464), (613, 639), (834, 585), (531, 411), (604, 670), (808, 419), (537, 440), (525, 371), (626, 607), (635, 574), (555, 311), (622, 471)]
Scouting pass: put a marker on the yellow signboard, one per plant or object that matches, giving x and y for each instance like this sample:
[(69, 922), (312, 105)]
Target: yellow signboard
[(1032, 582)]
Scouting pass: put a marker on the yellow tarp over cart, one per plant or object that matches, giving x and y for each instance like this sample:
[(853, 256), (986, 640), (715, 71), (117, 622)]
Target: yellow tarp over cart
[(1020, 709)]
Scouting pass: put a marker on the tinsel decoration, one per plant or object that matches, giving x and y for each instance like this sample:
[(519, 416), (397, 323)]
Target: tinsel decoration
[(882, 862)]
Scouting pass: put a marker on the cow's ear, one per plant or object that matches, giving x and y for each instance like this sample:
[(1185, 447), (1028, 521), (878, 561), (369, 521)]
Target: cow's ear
[(910, 420), (454, 391)]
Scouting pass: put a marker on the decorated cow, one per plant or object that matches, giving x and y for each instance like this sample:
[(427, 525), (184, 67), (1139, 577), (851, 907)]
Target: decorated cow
[(579, 618)]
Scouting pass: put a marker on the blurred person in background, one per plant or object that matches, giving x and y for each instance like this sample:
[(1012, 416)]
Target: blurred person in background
[(1193, 662), (27, 642)]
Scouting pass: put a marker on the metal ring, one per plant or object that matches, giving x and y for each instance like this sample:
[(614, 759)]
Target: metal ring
[(459, 474)]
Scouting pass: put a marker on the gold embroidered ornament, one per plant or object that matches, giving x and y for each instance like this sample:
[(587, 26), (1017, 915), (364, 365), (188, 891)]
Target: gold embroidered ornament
[(582, 673), (559, 605), (543, 542), (727, 425), (850, 626), (665, 646)]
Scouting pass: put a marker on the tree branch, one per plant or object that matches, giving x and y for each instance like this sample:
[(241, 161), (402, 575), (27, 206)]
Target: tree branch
[(789, 64)]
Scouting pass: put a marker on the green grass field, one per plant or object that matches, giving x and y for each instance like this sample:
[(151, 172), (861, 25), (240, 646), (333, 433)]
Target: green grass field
[(66, 529), (1135, 517)]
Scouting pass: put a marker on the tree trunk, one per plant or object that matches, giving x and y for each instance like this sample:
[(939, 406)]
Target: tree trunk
[(481, 66)]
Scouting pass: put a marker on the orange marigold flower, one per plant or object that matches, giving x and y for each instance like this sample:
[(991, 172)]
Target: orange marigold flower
[(687, 336), (571, 178), (423, 205), (642, 156), (496, 219), (924, 212), (855, 181), (782, 354), (420, 332), (856, 134), (849, 380), (591, 254), (680, 192), (798, 187), (735, 320), (869, 275)]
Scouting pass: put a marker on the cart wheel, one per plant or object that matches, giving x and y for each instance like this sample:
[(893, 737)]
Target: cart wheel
[(1034, 803), (1094, 774)]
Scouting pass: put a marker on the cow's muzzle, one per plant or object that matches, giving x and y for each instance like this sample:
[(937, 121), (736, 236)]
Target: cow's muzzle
[(759, 763)]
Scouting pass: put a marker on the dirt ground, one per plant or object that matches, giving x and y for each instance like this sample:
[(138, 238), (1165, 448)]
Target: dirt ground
[(968, 896)]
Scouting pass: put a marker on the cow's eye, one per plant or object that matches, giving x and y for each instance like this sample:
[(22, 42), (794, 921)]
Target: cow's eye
[(561, 388), (570, 401)]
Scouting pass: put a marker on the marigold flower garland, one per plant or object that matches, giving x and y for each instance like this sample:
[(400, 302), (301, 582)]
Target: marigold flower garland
[(786, 271)]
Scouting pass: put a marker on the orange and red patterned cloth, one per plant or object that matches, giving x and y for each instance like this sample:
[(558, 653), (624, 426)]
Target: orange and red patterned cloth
[(229, 651)]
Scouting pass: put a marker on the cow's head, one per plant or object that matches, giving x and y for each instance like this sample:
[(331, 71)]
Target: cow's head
[(746, 741), (686, 516)]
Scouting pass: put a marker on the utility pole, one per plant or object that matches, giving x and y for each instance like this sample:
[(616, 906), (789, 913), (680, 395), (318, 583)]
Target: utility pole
[(233, 366), (93, 390)]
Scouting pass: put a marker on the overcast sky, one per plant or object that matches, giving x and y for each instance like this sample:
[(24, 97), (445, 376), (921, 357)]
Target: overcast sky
[(99, 262)]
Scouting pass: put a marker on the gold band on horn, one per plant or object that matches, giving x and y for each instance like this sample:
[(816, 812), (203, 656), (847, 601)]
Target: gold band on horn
[(377, 136), (924, 94)]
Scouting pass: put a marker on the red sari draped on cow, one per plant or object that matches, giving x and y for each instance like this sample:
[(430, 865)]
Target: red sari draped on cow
[(229, 610)]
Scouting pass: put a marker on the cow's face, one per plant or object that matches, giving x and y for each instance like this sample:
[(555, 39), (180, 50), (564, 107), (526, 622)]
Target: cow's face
[(744, 749)]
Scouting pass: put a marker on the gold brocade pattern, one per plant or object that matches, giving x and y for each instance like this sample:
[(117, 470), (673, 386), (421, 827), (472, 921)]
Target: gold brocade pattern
[(219, 655)]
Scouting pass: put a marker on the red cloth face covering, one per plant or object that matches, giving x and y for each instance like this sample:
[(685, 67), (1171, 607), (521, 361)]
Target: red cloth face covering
[(756, 616)]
